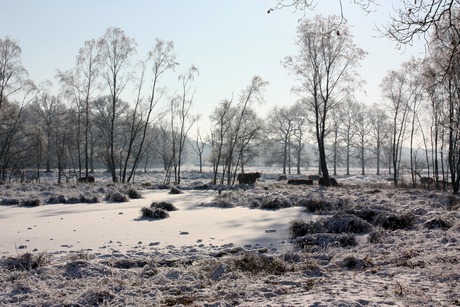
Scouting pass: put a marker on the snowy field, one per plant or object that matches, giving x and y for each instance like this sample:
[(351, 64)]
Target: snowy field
[(362, 244)]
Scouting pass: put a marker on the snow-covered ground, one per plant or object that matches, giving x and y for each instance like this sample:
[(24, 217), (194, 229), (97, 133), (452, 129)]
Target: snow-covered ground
[(226, 248)]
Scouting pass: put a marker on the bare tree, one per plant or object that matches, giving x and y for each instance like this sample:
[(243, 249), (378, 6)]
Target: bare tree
[(180, 108), (336, 122), (423, 18), (236, 142), (281, 125), (199, 145), (82, 84), (325, 67), (362, 124), (116, 50), (379, 131), (162, 59), (396, 89), (47, 108), (221, 124), (309, 5), (299, 138), (347, 130), (13, 76)]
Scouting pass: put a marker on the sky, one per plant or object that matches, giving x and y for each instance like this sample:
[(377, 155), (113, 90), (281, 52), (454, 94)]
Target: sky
[(229, 41)]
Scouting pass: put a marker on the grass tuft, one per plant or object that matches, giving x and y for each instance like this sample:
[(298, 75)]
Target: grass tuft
[(326, 239), (347, 223), (299, 228), (164, 206), (27, 261), (31, 202), (117, 197), (317, 205), (133, 193), (175, 190), (275, 203), (395, 222), (154, 213), (256, 263), (437, 223)]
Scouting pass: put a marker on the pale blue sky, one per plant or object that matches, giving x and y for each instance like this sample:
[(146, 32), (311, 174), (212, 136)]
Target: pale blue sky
[(229, 41)]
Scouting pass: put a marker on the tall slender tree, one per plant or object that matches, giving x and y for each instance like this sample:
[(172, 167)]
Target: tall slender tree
[(116, 49), (325, 68)]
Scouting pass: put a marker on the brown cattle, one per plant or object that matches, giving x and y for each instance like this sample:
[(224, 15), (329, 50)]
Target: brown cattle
[(332, 181), (300, 181), (91, 179), (282, 178), (248, 178)]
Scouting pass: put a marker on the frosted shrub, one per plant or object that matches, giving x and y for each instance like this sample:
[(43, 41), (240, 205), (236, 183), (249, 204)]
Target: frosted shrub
[(438, 223), (133, 194), (116, 197), (317, 205), (10, 201), (299, 228), (346, 223), (326, 239), (154, 213), (395, 222), (376, 237), (175, 190), (276, 203), (256, 263), (31, 202), (164, 206), (27, 261), (88, 199), (367, 214)]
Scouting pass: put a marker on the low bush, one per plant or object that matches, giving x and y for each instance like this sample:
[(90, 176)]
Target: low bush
[(10, 201), (367, 214), (117, 197), (73, 200), (27, 261), (31, 202), (395, 222), (376, 237), (317, 205), (299, 228), (133, 194), (436, 223), (175, 190), (351, 262), (274, 204), (256, 263), (164, 206), (326, 239), (89, 199), (154, 213), (347, 223)]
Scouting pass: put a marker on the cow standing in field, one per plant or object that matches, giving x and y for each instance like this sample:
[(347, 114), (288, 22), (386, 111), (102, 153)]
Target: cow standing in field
[(332, 181), (300, 181), (91, 179), (282, 178), (248, 178)]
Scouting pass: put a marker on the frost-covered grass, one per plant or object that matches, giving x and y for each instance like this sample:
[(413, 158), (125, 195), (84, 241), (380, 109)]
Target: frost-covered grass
[(364, 243)]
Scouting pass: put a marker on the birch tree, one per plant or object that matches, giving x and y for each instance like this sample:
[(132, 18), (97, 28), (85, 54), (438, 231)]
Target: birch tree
[(325, 69), (116, 49)]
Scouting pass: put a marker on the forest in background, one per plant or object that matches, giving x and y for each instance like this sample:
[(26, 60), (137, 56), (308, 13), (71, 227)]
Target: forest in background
[(87, 124)]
